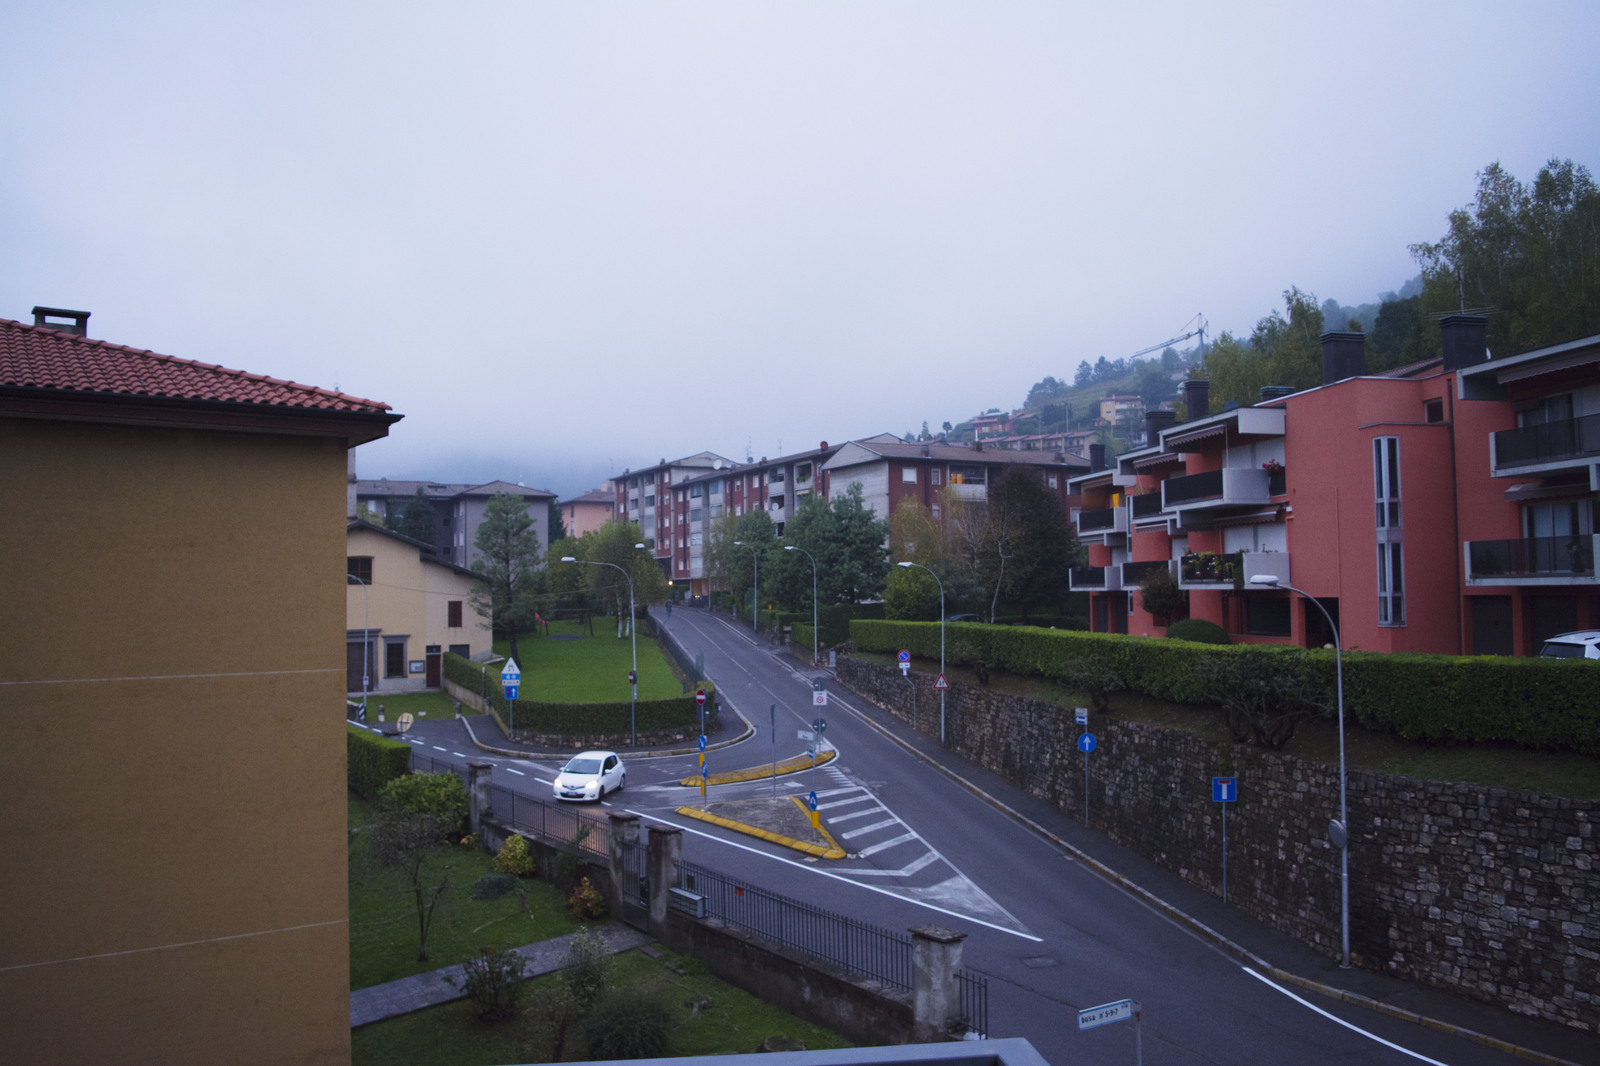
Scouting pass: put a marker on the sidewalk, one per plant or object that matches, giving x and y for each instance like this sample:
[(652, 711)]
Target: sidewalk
[(374, 1004)]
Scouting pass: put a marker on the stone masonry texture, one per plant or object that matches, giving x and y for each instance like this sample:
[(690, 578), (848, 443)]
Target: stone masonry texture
[(1488, 892)]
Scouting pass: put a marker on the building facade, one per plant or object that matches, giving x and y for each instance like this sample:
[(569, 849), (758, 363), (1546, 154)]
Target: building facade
[(458, 511)]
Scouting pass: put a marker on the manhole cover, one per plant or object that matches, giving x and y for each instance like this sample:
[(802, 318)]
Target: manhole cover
[(1038, 962)]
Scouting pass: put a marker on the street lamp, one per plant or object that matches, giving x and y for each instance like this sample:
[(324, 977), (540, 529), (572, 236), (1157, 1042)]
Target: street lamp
[(633, 635), (941, 642), (366, 640), (1339, 831), (808, 555), (755, 588)]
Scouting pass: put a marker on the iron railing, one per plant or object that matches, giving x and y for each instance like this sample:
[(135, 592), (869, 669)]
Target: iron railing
[(852, 945), (1146, 506), (1135, 574), (974, 997), (552, 822), (1193, 487), (1095, 521), (1571, 555), (1087, 577), (1548, 442)]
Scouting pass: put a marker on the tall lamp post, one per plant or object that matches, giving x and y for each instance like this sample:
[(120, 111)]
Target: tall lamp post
[(1339, 831), (808, 555), (366, 640), (941, 641), (633, 635), (755, 588)]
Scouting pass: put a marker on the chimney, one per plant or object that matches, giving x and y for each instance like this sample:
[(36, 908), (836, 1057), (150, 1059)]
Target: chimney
[(1097, 458), (823, 447), (1156, 420), (1275, 392), (79, 324), (1197, 398), (977, 445), (1344, 355), (1465, 339)]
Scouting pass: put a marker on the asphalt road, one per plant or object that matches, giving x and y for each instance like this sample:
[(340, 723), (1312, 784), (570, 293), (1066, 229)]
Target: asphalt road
[(1053, 936)]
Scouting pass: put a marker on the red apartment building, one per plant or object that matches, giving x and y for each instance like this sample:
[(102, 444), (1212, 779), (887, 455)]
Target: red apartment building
[(1445, 507)]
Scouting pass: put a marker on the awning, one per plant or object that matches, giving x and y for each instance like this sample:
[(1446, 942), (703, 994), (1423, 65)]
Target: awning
[(1169, 439)]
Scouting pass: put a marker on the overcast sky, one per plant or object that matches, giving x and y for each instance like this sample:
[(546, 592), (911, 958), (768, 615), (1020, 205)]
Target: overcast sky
[(568, 239)]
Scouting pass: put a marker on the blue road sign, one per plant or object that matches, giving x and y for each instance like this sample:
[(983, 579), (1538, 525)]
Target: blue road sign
[(702, 742), (811, 800), (904, 656), (1086, 743), (1225, 789), (511, 692), (705, 771)]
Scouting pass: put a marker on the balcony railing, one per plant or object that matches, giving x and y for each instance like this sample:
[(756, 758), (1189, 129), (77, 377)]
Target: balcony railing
[(1146, 506), (1098, 525), (1228, 487), (1567, 560), (1134, 575), (1548, 442), (1094, 579), (1230, 570)]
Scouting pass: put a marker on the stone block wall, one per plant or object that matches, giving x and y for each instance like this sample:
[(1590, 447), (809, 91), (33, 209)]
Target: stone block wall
[(1488, 892)]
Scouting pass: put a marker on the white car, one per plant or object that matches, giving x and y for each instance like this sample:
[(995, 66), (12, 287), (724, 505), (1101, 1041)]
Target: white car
[(1582, 644), (590, 775)]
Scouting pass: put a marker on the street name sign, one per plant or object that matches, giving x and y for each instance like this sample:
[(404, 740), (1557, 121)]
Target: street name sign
[(1081, 715), (1105, 1014)]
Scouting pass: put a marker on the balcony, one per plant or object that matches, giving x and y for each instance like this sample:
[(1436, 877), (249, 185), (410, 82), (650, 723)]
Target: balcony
[(1147, 512), (1567, 560), (1549, 446), (1106, 526), (1232, 486), (1094, 579), (1231, 570), (1134, 575)]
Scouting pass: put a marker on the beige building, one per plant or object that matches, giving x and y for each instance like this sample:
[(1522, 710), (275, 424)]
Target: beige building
[(410, 607), (171, 690)]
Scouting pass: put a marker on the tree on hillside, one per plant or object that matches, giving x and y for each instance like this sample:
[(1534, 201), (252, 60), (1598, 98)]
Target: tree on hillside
[(506, 596), (416, 521), (1044, 392), (1280, 351)]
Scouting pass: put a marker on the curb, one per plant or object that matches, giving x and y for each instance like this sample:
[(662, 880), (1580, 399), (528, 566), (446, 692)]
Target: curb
[(1205, 932), (514, 753), (832, 851), (787, 766)]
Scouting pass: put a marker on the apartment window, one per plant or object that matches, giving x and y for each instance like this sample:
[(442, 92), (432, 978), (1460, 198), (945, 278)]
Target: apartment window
[(359, 566), (394, 658), (1435, 410), (1386, 494), (935, 476), (908, 474), (1266, 616), (1050, 479), (650, 500), (453, 609), (463, 650), (694, 492)]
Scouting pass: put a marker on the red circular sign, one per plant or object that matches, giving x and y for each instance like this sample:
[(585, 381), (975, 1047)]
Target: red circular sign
[(700, 696)]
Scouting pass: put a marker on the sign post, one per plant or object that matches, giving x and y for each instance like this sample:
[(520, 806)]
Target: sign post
[(510, 679), (1086, 745), (772, 724), (700, 702), (821, 727), (1224, 790), (1120, 1011)]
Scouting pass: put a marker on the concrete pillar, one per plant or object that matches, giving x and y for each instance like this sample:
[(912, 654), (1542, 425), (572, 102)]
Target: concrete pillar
[(478, 801), (935, 958), (624, 837), (666, 850)]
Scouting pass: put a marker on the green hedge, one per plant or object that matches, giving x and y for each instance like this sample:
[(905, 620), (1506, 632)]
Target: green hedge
[(832, 621), (1532, 702), (373, 761), (612, 717)]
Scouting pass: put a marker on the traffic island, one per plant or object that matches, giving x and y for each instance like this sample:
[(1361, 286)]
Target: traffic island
[(781, 820), (761, 773)]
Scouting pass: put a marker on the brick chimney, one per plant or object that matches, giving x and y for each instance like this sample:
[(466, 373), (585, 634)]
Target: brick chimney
[(1344, 355), (78, 325), (1156, 420), (1465, 339), (1097, 457), (1197, 398)]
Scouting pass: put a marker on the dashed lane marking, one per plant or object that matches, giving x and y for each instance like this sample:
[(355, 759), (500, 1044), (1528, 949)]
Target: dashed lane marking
[(509, 770), (886, 845)]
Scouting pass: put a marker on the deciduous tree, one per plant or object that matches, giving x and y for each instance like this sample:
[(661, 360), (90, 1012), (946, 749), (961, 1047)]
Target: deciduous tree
[(508, 557)]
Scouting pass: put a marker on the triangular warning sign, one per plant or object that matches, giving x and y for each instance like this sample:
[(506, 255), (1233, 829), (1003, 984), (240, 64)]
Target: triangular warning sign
[(941, 683)]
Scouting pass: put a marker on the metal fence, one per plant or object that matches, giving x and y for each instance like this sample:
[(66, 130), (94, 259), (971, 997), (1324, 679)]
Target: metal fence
[(552, 822), (845, 942), (974, 988), (426, 764)]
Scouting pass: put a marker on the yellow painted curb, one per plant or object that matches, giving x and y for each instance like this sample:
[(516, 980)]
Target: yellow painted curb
[(832, 851), (759, 773)]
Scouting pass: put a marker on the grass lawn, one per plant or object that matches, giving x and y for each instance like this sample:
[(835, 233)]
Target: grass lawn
[(383, 916), (417, 704), (452, 1035), (1502, 765), (585, 668)]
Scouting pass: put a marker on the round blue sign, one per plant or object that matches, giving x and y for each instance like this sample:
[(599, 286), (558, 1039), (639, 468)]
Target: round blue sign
[(1086, 743)]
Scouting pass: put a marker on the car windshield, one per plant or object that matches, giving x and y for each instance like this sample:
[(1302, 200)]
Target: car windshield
[(1552, 650), (582, 766)]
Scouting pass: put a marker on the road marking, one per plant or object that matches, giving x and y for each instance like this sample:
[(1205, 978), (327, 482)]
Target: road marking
[(1335, 1018), (854, 814), (873, 828), (886, 845), (509, 770), (838, 877), (437, 747), (458, 755)]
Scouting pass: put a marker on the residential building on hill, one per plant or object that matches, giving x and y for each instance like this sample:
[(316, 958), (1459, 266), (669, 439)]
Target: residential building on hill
[(587, 513), (1448, 507), (645, 496), (458, 511), (890, 470), (175, 840)]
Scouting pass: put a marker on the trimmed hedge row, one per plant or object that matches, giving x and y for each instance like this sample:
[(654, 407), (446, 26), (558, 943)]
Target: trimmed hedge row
[(373, 761), (1534, 703), (833, 621), (675, 712)]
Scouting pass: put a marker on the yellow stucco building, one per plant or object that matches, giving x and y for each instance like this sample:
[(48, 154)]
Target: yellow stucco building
[(172, 783)]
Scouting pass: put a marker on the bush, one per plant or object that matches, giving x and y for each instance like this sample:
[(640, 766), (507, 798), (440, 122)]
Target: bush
[(492, 979), (586, 973), (493, 886), (1198, 630), (634, 1022), (514, 857), (586, 902), (372, 761), (441, 796)]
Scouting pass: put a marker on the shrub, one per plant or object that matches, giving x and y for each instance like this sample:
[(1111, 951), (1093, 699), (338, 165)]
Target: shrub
[(438, 795), (492, 979), (514, 857), (1161, 595), (586, 902), (586, 973), (493, 886), (634, 1022), (1199, 631), (372, 761)]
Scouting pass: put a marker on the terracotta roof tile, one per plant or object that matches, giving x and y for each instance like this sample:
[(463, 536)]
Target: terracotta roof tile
[(40, 358)]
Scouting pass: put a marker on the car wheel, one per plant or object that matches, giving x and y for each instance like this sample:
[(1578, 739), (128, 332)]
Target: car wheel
[(622, 782)]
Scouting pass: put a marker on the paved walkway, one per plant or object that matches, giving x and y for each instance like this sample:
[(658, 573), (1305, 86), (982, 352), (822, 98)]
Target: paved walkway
[(430, 989)]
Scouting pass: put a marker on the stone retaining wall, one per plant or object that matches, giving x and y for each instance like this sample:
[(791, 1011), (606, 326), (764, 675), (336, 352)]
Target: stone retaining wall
[(1488, 892)]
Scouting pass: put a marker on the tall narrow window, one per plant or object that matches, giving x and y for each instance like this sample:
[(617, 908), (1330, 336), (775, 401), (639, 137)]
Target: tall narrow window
[(453, 609), (1386, 495)]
